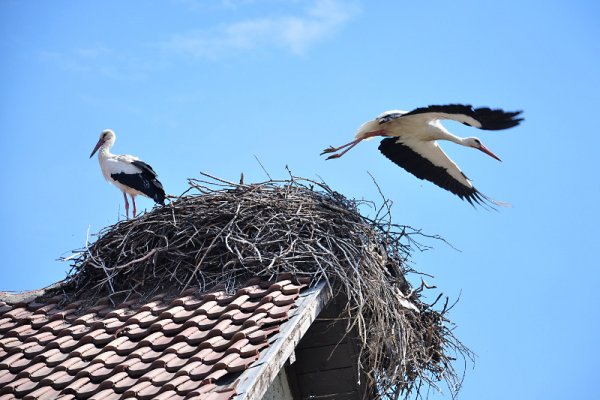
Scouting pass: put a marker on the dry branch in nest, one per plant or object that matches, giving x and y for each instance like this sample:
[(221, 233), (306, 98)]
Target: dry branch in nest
[(220, 232)]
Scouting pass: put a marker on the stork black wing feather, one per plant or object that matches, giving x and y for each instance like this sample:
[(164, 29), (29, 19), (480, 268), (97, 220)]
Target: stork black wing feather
[(144, 167), (405, 157), (490, 119), (146, 181)]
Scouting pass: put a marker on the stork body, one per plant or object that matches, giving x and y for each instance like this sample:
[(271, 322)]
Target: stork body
[(128, 173), (411, 142)]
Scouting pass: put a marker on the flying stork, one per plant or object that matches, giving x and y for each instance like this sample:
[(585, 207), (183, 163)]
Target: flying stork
[(128, 173), (411, 142)]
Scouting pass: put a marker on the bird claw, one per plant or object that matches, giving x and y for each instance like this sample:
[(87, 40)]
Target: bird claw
[(333, 156), (330, 149)]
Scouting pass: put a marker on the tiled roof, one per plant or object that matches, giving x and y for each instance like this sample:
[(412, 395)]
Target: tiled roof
[(192, 346)]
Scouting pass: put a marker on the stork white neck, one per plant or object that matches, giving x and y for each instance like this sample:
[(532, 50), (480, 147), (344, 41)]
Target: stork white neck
[(457, 139), (107, 139), (104, 150)]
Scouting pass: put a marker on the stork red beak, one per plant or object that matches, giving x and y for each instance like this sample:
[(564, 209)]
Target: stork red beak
[(100, 143), (488, 152)]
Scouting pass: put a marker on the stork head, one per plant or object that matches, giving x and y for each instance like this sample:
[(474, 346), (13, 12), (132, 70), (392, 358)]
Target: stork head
[(107, 136), (476, 144)]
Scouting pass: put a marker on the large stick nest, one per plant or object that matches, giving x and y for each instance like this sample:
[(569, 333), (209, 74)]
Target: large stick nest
[(219, 232)]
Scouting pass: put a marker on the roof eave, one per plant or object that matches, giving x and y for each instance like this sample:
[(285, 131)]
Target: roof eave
[(255, 381)]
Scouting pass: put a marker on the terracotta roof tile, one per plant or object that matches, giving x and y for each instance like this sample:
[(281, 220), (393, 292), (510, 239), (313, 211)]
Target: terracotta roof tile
[(68, 397), (112, 380), (205, 388), (201, 321), (169, 395), (122, 314), (26, 372), (254, 319), (158, 376), (100, 374), (126, 364), (126, 304), (40, 337), (98, 336), (142, 390), (66, 314), (73, 365), (114, 360), (221, 327), (256, 291), (87, 352), (90, 369), (86, 318), (32, 349), (23, 386), (82, 388), (153, 304), (43, 392), (164, 348), (216, 311), (6, 324), (192, 303), (145, 354), (265, 306), (239, 316), (65, 343), (24, 331), (222, 395), (175, 363), (106, 394), (183, 349), (37, 321), (124, 384), (134, 332), (201, 371), (113, 323), (77, 331), (171, 328), (214, 376), (58, 379), (14, 363), (138, 369), (292, 288), (284, 299), (40, 373), (186, 387), (6, 376), (212, 356), (8, 343), (4, 307), (237, 364), (176, 381)]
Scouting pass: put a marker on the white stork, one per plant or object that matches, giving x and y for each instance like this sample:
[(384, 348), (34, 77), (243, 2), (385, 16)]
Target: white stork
[(411, 142), (127, 173)]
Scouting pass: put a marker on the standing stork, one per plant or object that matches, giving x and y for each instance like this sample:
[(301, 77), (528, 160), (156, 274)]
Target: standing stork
[(128, 173), (411, 142)]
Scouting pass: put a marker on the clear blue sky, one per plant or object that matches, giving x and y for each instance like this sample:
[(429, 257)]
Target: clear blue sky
[(192, 85)]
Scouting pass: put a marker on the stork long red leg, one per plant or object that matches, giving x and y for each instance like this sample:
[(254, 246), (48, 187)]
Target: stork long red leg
[(332, 149), (126, 205), (134, 210), (351, 144)]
